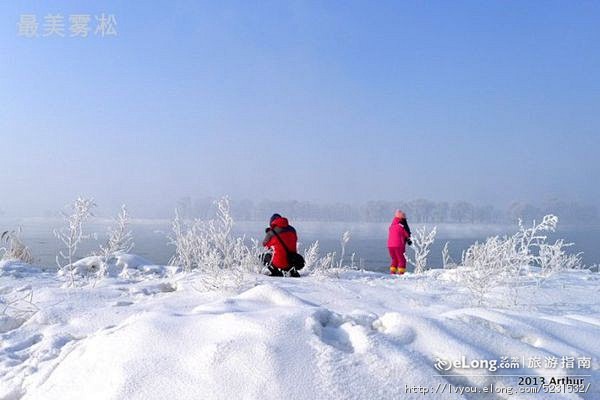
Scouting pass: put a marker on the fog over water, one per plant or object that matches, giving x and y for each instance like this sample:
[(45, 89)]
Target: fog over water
[(368, 240)]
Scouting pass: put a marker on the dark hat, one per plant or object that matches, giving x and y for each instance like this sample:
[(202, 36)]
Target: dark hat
[(274, 217)]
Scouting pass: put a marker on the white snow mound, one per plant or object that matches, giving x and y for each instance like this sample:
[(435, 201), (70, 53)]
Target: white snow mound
[(362, 336)]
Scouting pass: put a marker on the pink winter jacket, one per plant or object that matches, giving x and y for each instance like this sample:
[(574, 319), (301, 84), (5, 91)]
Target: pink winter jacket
[(397, 236)]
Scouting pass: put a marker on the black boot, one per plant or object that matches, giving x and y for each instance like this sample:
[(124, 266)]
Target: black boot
[(275, 271), (294, 273)]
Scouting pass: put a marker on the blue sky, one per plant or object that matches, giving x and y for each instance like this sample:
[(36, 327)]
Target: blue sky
[(311, 100)]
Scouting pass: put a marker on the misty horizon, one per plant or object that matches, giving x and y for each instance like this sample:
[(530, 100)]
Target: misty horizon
[(418, 210)]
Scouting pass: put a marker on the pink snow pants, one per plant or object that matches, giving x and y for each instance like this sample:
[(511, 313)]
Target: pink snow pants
[(397, 255)]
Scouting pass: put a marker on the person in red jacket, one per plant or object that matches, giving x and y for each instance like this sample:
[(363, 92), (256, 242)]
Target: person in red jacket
[(277, 262), (399, 236)]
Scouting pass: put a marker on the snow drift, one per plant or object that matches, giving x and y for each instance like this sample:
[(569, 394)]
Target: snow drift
[(363, 335)]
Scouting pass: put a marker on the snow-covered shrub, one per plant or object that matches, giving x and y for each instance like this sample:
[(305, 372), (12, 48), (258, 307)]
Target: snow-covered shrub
[(489, 264), (311, 256), (530, 239), (15, 248), (498, 261), (72, 234), (328, 265), (120, 240), (447, 261), (343, 242), (210, 248), (554, 258), (422, 240), (186, 240), (315, 264)]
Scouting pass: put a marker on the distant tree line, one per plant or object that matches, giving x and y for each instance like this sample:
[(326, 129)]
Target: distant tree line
[(568, 212), (419, 211)]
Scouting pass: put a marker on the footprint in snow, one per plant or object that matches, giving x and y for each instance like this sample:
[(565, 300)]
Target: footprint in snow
[(165, 287), (56, 346), (25, 344), (8, 323), (341, 332), (18, 353)]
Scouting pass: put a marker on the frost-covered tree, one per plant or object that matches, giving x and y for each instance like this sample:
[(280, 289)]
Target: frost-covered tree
[(462, 211), (71, 235)]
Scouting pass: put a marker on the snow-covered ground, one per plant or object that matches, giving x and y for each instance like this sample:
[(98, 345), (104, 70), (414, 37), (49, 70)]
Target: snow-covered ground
[(350, 335)]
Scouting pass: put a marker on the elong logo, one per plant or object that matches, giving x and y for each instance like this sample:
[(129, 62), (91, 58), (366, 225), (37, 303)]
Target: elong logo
[(445, 365)]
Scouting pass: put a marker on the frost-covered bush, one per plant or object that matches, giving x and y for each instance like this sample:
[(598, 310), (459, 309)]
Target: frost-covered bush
[(530, 239), (554, 258), (329, 264), (311, 256), (447, 261), (15, 248), (499, 261), (71, 235), (422, 241), (120, 240), (210, 248), (343, 242), (489, 264)]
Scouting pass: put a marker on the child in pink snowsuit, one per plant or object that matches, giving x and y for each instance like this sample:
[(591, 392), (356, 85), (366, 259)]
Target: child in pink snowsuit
[(399, 234)]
